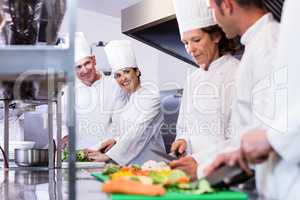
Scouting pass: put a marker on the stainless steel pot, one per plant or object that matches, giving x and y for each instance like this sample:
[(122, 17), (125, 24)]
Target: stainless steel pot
[(31, 157)]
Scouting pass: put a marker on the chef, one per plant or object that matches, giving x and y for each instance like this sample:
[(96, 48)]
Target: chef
[(257, 105), (138, 123), (203, 126), (96, 96), (279, 148)]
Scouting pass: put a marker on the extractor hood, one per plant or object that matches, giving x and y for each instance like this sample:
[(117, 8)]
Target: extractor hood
[(154, 22)]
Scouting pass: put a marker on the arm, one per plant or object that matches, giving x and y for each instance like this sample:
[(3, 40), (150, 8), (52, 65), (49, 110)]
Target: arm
[(286, 144), (181, 126), (142, 116)]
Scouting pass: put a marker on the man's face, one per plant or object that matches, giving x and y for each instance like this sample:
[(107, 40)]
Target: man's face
[(202, 46), (128, 79), (86, 70), (224, 17)]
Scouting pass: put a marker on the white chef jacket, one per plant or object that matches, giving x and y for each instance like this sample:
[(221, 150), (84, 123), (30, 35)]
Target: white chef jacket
[(254, 98), (94, 110), (255, 104), (138, 125), (281, 173), (205, 112)]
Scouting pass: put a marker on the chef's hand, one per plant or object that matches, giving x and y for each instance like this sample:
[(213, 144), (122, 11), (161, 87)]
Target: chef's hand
[(187, 164), (255, 146), (64, 141), (107, 145), (179, 147), (234, 158), (96, 156)]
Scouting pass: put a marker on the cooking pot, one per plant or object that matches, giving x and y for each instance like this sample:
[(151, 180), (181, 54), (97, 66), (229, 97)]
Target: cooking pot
[(31, 157)]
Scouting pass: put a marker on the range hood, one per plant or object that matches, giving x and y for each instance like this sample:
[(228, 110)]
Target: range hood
[(154, 22)]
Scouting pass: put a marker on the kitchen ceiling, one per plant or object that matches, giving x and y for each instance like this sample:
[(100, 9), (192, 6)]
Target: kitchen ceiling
[(107, 7)]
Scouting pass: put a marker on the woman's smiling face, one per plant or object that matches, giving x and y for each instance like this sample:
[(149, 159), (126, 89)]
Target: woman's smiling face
[(128, 79)]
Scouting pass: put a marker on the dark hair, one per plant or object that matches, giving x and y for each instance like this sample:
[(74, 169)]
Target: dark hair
[(225, 45), (137, 69), (246, 3), (140, 74)]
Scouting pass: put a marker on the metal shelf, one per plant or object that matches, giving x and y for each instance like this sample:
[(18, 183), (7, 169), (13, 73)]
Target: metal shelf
[(16, 60), (43, 60)]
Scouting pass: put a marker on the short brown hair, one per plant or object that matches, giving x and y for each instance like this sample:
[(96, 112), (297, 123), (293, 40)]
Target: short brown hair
[(225, 45), (246, 3)]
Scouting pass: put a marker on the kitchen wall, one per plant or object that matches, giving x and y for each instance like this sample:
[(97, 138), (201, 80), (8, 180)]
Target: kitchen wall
[(159, 68)]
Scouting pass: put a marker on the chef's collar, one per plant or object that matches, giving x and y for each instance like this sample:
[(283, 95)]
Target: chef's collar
[(217, 63), (250, 33)]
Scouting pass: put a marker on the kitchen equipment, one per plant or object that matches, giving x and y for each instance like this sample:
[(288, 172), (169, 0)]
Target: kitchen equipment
[(85, 165), (4, 158), (168, 157), (23, 22), (159, 29), (29, 22), (53, 12), (220, 195), (31, 157), (227, 176), (177, 195), (17, 145)]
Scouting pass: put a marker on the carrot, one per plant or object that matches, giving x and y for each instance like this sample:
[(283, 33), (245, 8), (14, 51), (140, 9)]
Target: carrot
[(183, 179), (132, 187)]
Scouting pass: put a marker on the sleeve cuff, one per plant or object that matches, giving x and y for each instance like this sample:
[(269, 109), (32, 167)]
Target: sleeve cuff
[(187, 140), (115, 156), (276, 140)]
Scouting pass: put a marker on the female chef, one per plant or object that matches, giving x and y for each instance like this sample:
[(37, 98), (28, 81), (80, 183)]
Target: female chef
[(203, 125), (138, 122)]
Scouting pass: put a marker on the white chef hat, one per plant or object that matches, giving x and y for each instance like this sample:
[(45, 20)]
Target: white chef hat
[(82, 48), (193, 14), (120, 54)]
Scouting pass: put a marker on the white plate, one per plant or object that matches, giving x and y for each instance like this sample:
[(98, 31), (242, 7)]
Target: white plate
[(85, 164)]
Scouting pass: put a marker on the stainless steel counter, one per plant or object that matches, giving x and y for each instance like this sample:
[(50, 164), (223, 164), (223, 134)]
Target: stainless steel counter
[(41, 184)]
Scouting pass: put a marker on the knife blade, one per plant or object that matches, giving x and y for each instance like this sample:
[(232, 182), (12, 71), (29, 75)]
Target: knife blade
[(227, 176), (166, 156)]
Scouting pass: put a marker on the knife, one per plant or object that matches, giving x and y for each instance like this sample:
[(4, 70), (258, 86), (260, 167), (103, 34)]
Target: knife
[(227, 176), (166, 156)]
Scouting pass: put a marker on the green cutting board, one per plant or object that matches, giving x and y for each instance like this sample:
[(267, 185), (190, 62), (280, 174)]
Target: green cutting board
[(220, 195)]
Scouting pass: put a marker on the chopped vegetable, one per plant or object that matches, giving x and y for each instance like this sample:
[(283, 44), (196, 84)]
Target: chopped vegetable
[(137, 167), (110, 169), (142, 179), (80, 156), (132, 187), (177, 176), (203, 187), (155, 166), (197, 187), (159, 178), (149, 175)]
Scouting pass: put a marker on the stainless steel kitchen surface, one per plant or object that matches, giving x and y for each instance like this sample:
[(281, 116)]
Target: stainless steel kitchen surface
[(42, 184)]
